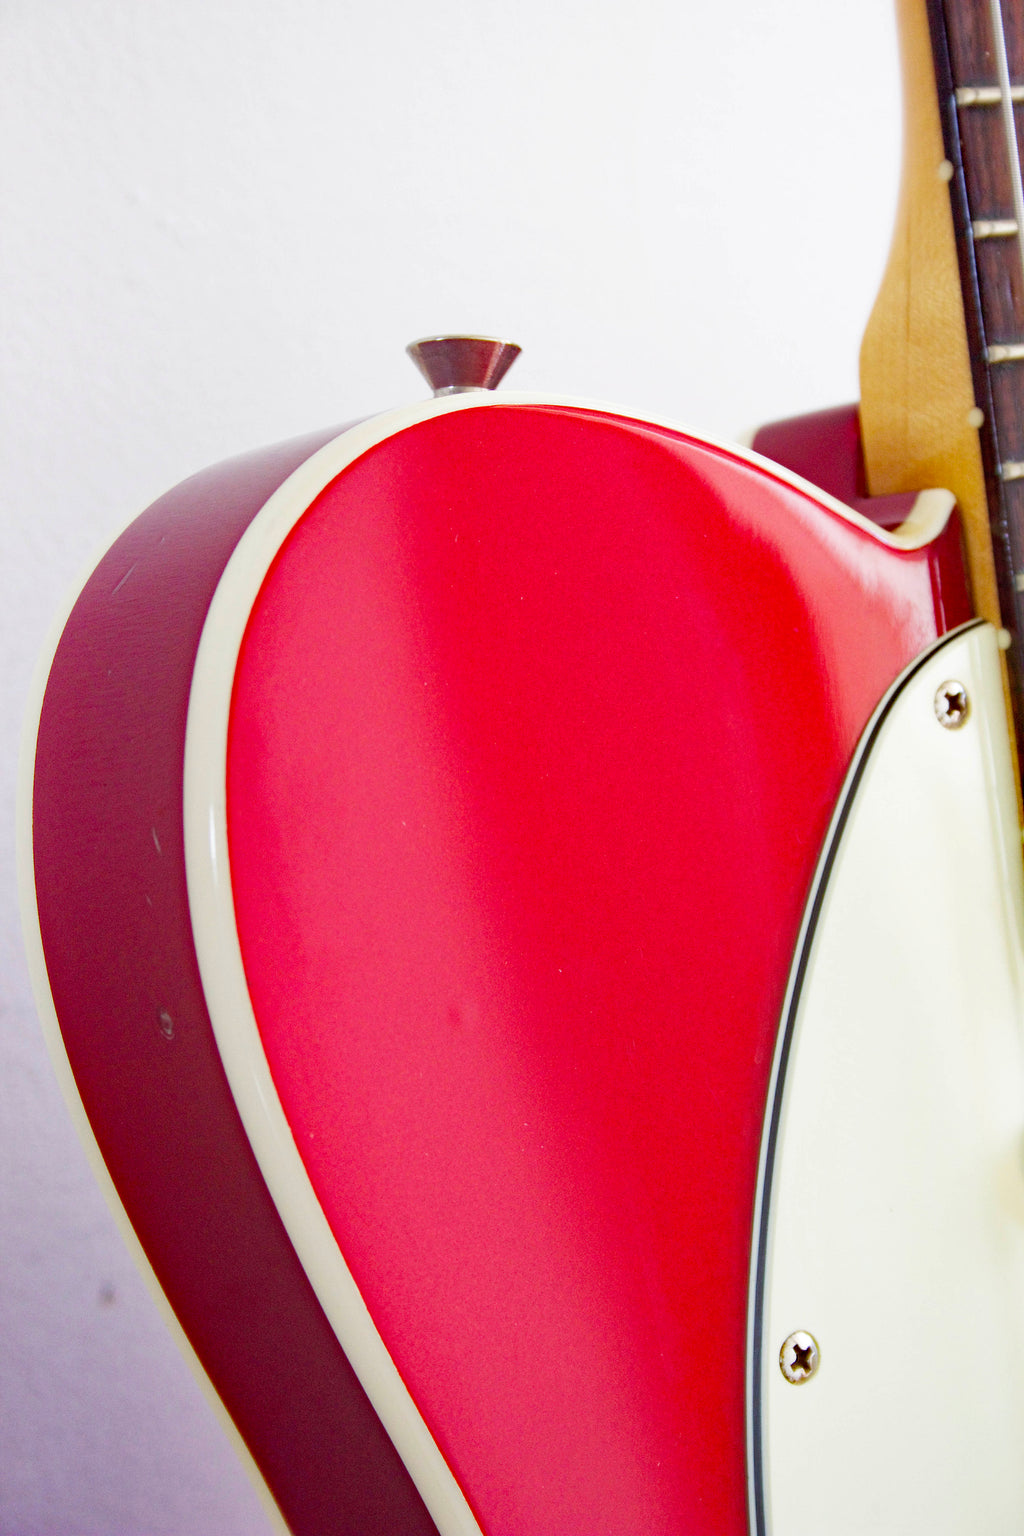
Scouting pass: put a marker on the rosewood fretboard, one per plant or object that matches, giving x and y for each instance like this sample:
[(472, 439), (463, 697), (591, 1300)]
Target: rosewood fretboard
[(978, 50)]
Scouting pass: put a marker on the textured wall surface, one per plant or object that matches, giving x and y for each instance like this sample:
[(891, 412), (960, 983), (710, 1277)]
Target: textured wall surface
[(219, 225)]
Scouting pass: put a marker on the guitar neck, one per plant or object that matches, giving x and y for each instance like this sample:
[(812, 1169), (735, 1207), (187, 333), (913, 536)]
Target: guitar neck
[(978, 56)]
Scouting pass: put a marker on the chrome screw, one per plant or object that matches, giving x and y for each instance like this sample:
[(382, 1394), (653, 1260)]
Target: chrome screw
[(952, 706), (799, 1357)]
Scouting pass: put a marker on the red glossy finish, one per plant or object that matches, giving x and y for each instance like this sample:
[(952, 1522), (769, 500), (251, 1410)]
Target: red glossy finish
[(825, 447), (538, 725), (113, 910)]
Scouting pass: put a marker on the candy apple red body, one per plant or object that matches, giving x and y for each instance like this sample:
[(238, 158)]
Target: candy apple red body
[(424, 818)]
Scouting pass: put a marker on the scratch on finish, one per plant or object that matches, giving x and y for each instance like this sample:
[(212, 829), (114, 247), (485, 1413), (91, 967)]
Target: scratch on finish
[(124, 578), (156, 840)]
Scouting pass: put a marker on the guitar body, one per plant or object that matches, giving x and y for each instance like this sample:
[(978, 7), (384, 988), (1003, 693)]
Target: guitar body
[(425, 822)]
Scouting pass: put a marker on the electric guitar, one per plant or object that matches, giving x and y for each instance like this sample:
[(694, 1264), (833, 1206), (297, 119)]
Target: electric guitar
[(526, 905)]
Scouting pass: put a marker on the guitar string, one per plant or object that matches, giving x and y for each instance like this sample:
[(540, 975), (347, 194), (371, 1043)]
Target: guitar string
[(1009, 126), (1013, 153)]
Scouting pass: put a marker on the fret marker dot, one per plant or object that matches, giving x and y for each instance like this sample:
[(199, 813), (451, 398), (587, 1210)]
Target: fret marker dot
[(945, 171), (975, 416)]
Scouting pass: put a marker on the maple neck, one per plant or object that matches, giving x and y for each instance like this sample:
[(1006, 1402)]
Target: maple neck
[(978, 57)]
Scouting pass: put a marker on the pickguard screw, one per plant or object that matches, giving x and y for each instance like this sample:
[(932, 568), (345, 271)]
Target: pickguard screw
[(799, 1357), (952, 706)]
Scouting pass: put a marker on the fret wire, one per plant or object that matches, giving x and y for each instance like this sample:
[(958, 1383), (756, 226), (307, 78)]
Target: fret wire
[(983, 265), (1009, 126), (985, 95)]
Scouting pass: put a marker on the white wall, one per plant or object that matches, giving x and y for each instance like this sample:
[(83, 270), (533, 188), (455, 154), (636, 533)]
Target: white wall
[(221, 222)]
